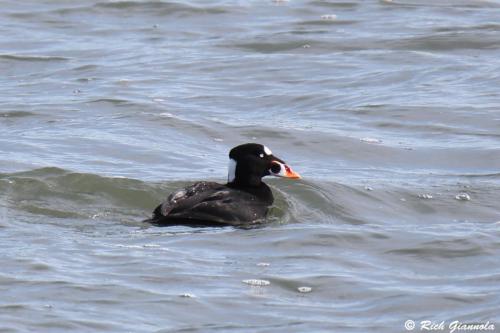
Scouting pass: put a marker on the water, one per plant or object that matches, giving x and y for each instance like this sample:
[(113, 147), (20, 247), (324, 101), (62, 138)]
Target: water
[(389, 109)]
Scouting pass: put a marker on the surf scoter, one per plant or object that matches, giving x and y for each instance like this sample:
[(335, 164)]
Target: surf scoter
[(243, 200)]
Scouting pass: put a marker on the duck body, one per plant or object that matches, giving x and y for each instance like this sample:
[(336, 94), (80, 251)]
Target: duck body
[(244, 200), (210, 203)]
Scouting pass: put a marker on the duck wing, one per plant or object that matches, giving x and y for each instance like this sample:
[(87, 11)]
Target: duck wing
[(184, 198), (207, 203)]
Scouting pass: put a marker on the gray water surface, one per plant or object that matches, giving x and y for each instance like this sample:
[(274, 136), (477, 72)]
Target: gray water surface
[(390, 110)]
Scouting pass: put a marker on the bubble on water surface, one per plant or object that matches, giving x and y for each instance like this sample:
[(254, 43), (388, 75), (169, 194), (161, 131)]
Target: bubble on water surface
[(304, 289), (329, 17), (370, 140), (463, 197)]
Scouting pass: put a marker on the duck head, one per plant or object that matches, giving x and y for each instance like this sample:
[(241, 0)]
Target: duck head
[(250, 162)]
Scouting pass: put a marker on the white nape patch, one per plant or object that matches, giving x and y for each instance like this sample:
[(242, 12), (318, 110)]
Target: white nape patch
[(231, 170), (267, 151)]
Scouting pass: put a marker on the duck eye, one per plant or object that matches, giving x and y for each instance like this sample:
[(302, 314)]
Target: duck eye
[(261, 155)]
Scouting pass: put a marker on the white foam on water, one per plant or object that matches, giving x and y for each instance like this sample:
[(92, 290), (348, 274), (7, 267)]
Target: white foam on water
[(257, 282), (370, 140)]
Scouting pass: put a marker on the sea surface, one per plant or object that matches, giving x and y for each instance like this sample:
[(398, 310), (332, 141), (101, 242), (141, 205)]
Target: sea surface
[(390, 110)]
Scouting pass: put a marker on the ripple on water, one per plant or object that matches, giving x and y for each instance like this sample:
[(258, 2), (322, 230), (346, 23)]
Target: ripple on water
[(161, 8), (16, 114), (32, 58)]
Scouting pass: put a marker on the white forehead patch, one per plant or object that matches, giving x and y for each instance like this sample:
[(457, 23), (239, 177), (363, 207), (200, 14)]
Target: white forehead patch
[(231, 170), (267, 151)]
